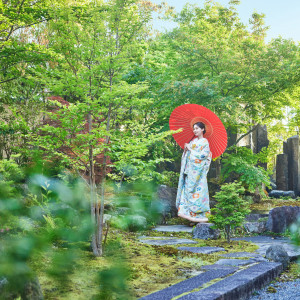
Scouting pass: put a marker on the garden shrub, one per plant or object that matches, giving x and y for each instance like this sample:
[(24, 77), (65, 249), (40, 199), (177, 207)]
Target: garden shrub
[(231, 208)]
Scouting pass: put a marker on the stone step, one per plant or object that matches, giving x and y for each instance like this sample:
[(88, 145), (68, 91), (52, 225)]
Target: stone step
[(173, 228), (202, 250), (240, 285), (189, 284), (162, 241)]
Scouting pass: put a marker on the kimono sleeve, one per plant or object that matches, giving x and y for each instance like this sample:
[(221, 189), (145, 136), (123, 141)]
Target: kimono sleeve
[(202, 153)]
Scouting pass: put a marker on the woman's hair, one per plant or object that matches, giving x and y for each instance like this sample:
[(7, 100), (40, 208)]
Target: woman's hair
[(201, 125)]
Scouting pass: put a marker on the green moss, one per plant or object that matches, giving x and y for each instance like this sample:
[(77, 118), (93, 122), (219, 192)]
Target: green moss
[(270, 203), (152, 268), (291, 273)]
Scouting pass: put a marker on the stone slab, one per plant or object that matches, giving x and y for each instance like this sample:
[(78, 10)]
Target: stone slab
[(240, 285), (254, 256), (234, 262), (203, 250), (162, 241), (241, 254), (219, 267), (188, 285), (264, 242), (173, 228)]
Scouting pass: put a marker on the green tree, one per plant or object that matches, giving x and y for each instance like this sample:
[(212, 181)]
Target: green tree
[(94, 44), (230, 210)]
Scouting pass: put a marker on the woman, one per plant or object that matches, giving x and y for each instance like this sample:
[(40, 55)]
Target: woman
[(192, 196)]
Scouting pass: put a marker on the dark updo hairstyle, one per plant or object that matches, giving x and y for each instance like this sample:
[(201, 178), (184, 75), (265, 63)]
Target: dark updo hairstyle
[(201, 125)]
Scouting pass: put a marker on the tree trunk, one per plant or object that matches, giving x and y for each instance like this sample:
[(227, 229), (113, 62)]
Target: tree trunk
[(227, 233), (96, 243)]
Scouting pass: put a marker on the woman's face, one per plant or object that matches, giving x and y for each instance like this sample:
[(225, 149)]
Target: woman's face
[(198, 131)]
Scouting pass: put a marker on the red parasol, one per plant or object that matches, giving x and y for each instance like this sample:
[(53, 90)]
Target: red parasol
[(185, 116)]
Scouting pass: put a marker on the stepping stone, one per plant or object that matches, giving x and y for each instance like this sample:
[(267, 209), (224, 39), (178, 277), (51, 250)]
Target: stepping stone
[(173, 228), (254, 256), (240, 285), (241, 254), (234, 262), (203, 250), (162, 241), (219, 267), (188, 285), (264, 242)]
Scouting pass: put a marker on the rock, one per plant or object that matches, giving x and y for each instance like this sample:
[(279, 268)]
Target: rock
[(293, 164), (279, 194), (255, 227), (167, 198), (260, 140), (280, 218), (282, 179), (254, 217), (204, 231), (278, 254)]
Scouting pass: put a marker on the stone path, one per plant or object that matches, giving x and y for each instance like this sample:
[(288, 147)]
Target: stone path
[(233, 276)]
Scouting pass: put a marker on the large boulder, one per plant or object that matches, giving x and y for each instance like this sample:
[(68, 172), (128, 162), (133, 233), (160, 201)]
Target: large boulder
[(204, 231), (280, 218), (278, 254), (167, 199)]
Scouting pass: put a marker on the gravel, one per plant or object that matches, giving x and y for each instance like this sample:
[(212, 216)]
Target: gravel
[(289, 290)]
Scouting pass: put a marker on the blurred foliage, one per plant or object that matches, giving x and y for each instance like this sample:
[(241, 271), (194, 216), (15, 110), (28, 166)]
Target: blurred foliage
[(50, 216), (58, 213), (135, 206)]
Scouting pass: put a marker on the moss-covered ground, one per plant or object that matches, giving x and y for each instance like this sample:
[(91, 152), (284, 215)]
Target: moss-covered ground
[(149, 268), (269, 203)]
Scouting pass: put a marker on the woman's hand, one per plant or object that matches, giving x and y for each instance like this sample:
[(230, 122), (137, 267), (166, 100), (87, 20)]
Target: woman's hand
[(187, 147)]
